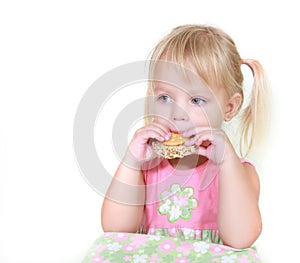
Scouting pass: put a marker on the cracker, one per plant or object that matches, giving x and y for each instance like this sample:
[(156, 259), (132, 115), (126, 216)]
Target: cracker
[(173, 151), (174, 147), (176, 139)]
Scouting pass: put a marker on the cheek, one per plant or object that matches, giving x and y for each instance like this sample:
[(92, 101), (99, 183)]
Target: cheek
[(213, 116), (199, 118), (161, 111)]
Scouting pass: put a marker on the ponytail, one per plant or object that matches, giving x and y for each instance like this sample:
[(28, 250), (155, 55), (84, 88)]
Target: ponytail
[(253, 116)]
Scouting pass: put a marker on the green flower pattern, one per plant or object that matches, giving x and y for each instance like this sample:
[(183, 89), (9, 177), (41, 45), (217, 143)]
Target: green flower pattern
[(140, 248), (177, 203)]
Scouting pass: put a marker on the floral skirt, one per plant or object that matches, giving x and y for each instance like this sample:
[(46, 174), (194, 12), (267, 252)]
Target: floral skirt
[(115, 247)]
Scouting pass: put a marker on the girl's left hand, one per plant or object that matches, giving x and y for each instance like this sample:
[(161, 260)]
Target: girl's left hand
[(213, 143)]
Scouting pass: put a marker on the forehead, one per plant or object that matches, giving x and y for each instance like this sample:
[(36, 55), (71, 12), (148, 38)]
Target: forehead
[(167, 76), (171, 88)]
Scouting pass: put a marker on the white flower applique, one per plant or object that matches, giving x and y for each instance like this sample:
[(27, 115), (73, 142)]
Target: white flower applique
[(177, 203)]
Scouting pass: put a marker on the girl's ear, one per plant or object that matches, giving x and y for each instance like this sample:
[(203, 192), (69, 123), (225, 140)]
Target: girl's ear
[(233, 106)]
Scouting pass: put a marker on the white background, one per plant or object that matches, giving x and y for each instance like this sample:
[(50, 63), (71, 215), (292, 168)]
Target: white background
[(52, 51)]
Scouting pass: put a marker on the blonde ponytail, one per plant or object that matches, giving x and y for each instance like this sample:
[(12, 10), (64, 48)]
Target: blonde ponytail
[(254, 117)]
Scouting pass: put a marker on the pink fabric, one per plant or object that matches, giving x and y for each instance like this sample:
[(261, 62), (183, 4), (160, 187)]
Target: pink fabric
[(201, 181), (162, 177)]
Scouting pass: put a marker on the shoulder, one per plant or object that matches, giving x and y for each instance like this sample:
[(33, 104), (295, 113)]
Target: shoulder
[(252, 175)]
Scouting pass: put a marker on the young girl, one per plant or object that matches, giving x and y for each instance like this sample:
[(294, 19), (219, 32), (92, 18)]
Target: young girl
[(202, 207)]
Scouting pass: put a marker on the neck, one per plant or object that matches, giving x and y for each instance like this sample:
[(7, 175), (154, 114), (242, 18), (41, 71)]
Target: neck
[(188, 162)]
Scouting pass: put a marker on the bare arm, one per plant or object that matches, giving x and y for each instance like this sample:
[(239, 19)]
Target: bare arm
[(123, 206), (239, 219)]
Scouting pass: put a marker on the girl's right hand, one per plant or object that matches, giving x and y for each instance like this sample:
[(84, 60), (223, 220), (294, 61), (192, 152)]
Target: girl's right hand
[(139, 148)]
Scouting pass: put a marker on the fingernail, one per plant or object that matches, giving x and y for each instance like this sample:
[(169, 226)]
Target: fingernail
[(184, 134), (167, 136)]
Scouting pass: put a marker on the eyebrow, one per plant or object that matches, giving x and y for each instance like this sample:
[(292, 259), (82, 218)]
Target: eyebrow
[(160, 86), (170, 89)]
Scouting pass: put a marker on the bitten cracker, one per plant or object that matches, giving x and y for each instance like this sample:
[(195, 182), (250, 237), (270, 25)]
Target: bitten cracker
[(173, 148), (175, 139)]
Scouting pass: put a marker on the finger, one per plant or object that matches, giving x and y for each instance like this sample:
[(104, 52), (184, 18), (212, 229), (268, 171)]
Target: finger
[(147, 133), (161, 126), (151, 134), (204, 138), (166, 124), (203, 151), (197, 130), (149, 153), (163, 131), (208, 151)]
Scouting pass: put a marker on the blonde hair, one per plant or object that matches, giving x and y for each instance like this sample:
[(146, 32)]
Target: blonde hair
[(217, 61)]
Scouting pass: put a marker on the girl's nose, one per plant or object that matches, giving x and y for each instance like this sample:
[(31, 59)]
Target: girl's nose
[(179, 114)]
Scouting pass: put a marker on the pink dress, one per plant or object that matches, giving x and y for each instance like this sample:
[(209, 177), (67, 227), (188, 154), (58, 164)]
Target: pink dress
[(182, 203), (180, 223)]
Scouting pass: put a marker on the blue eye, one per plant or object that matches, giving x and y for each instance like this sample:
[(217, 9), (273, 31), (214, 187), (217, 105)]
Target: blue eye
[(197, 101), (164, 98)]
